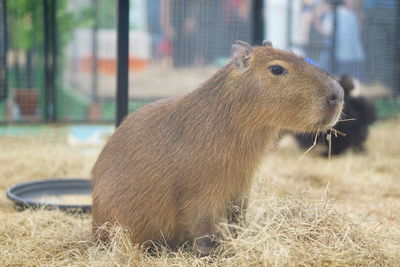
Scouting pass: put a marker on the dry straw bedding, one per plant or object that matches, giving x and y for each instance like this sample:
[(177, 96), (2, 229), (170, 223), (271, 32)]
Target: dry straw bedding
[(308, 212)]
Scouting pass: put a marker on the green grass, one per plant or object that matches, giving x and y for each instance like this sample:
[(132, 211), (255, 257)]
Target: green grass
[(388, 107)]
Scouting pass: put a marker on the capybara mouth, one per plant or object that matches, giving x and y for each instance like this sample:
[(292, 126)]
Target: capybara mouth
[(328, 121)]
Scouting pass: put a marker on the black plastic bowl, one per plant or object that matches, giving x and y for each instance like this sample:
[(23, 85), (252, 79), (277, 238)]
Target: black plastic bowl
[(24, 195)]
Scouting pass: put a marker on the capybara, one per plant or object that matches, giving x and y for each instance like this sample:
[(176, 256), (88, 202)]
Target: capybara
[(176, 167)]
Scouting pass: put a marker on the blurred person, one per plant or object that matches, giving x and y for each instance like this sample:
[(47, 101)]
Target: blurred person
[(159, 28), (349, 52), (185, 24), (154, 25), (321, 35), (306, 19), (208, 35), (237, 15), (381, 40), (204, 29), (237, 23)]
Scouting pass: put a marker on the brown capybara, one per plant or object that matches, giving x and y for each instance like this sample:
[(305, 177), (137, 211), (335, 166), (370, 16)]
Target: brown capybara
[(176, 167)]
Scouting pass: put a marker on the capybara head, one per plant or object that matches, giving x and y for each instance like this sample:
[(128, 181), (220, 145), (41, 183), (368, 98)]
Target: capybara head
[(291, 93)]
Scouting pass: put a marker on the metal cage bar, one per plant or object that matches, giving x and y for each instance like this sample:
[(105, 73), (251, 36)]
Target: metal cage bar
[(122, 60)]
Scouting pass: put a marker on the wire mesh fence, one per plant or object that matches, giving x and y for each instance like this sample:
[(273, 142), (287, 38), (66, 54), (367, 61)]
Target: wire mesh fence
[(3, 48), (22, 64), (64, 68), (359, 38), (353, 37)]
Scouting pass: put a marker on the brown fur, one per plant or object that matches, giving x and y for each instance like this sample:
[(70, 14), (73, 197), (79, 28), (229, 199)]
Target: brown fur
[(172, 169)]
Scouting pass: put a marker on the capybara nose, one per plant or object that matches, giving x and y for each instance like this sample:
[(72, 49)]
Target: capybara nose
[(333, 100), (335, 97)]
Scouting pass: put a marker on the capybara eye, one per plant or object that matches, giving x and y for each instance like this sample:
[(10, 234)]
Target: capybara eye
[(276, 70)]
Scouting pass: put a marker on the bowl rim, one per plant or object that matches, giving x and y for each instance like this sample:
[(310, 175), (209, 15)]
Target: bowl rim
[(24, 203)]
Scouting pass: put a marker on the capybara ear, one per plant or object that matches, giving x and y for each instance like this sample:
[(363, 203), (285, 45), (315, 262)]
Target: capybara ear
[(241, 53), (267, 43)]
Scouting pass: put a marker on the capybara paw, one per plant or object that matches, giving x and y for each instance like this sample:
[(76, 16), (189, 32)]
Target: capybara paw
[(206, 245)]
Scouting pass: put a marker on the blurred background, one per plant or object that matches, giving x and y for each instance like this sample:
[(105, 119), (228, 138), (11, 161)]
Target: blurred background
[(58, 57)]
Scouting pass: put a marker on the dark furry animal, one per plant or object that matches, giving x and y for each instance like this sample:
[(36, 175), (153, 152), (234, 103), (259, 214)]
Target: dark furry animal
[(362, 111)]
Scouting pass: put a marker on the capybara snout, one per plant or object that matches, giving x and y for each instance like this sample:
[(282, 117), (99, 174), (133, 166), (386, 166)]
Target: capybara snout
[(334, 103), (335, 95)]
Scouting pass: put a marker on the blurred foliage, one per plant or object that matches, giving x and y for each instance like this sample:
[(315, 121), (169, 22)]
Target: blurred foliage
[(107, 14), (24, 22), (26, 18)]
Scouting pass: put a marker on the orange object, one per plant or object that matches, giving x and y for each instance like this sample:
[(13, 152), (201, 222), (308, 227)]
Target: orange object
[(109, 66)]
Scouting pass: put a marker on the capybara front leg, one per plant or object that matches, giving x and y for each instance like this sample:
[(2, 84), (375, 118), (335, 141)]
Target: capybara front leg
[(236, 213), (207, 238), (237, 210)]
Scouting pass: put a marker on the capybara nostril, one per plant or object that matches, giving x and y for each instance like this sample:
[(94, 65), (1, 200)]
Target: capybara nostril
[(333, 100), (336, 96)]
